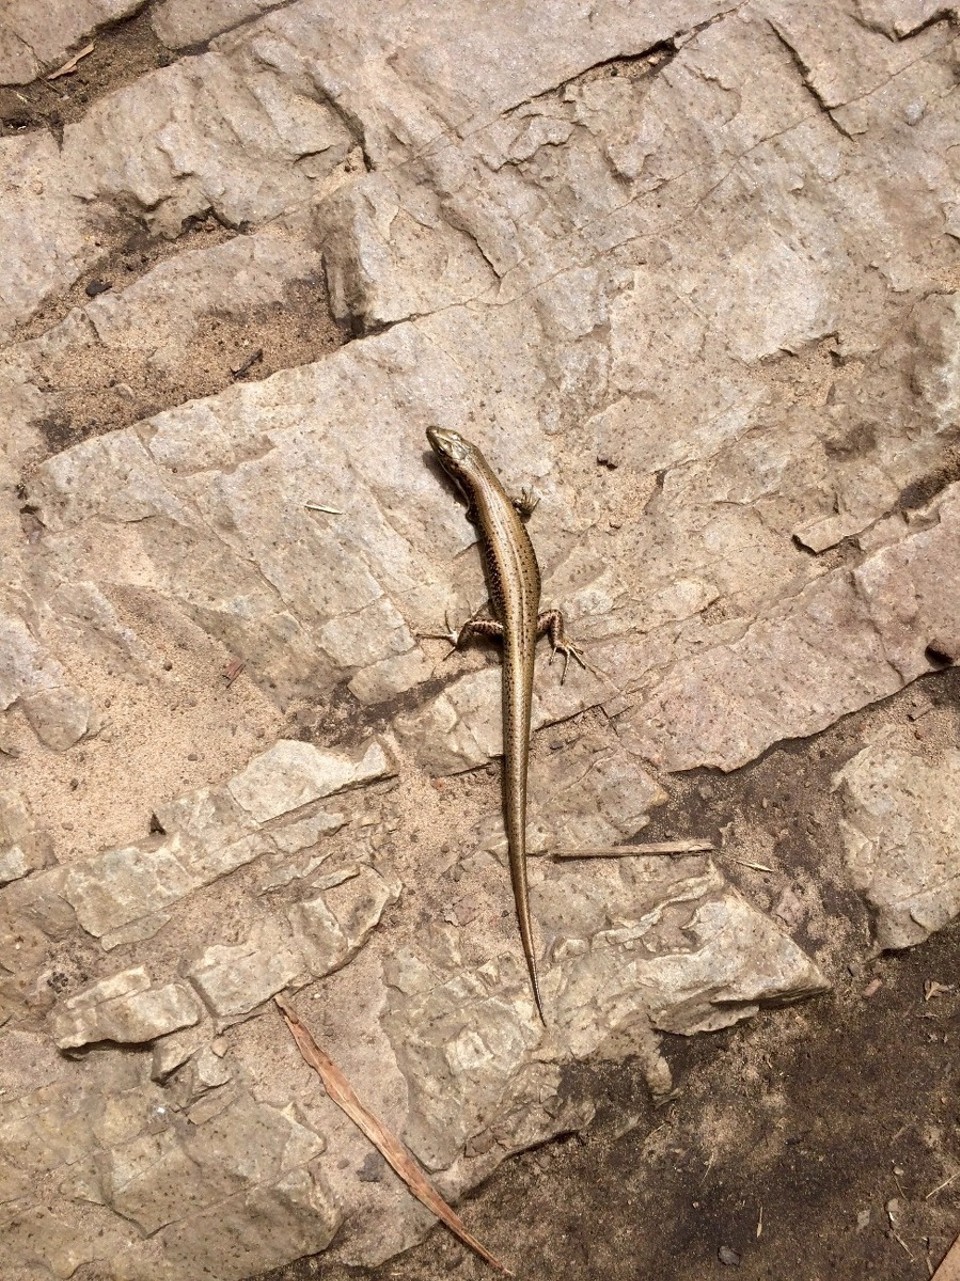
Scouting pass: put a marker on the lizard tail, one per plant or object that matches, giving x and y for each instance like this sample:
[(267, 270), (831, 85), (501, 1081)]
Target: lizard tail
[(518, 876), (532, 969)]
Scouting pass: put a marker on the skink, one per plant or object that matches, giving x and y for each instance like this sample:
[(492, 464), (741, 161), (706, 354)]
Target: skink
[(513, 579)]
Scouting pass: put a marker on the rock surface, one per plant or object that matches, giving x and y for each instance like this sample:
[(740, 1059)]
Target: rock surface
[(33, 37), (23, 849), (901, 834), (125, 1008), (689, 270)]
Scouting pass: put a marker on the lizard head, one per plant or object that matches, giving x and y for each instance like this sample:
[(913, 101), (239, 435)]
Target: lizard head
[(454, 452)]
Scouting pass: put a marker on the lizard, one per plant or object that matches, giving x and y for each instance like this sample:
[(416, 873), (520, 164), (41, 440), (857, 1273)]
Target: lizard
[(513, 579)]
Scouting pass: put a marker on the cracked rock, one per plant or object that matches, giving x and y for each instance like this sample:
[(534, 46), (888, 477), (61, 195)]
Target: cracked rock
[(633, 950), (209, 1070), (254, 1231), (121, 896), (139, 340), (126, 1008), (173, 1051), (164, 1178), (332, 927), (867, 61), (291, 774), (32, 37), (327, 931), (31, 677), (127, 885), (22, 848), (845, 641), (684, 270), (235, 979)]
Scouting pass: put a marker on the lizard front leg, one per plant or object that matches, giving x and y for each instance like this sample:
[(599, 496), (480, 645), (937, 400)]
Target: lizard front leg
[(526, 504)]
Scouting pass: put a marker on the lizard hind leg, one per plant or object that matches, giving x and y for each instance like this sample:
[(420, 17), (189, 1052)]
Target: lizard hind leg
[(550, 624), (488, 627)]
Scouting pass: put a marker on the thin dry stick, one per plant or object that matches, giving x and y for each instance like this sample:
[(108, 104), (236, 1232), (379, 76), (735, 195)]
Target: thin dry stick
[(945, 1184), (393, 1151), (902, 1244), (631, 851), (70, 66)]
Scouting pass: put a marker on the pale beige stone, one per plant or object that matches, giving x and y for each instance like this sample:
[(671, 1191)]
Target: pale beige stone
[(697, 305), (32, 35), (902, 835), (123, 885), (125, 1008), (292, 774), (235, 979)]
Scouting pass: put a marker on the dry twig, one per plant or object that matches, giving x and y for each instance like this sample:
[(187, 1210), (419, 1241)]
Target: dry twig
[(70, 66), (641, 851), (945, 1184), (233, 670), (342, 1093)]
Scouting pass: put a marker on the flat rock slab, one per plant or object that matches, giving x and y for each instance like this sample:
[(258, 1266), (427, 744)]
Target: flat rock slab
[(36, 37), (291, 775), (604, 986)]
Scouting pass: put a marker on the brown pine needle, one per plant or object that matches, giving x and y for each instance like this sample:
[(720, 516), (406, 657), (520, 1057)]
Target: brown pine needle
[(341, 1092), (638, 851)]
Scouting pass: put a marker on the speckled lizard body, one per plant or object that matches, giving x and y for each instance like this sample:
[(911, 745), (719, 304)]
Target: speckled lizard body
[(513, 579)]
